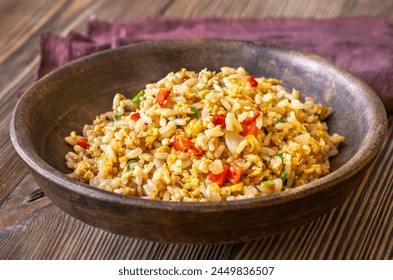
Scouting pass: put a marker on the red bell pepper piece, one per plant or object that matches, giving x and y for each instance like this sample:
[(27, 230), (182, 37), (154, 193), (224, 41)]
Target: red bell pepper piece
[(181, 144), (184, 144), (135, 116), (249, 129), (252, 81), (219, 120), (82, 142), (252, 119), (220, 178), (162, 96), (196, 152), (235, 172), (249, 126)]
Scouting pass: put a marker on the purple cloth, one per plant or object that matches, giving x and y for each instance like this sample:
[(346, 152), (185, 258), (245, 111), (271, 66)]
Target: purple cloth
[(362, 45)]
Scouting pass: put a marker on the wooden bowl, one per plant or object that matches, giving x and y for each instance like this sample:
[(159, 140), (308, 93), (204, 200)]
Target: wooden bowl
[(69, 97)]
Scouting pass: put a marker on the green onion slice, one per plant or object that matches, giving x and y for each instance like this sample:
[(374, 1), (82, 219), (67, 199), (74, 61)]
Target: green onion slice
[(117, 115), (280, 155), (137, 97), (283, 175), (196, 113), (281, 120), (268, 182), (129, 163)]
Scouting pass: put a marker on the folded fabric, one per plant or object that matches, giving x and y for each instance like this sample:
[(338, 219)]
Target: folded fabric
[(364, 46)]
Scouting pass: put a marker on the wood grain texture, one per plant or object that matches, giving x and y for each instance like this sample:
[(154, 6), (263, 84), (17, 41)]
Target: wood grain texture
[(32, 228)]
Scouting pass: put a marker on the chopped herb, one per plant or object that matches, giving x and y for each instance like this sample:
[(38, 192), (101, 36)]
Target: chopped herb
[(117, 116), (283, 175), (219, 83), (129, 163), (281, 120), (137, 97), (280, 155), (268, 182), (248, 74), (196, 113)]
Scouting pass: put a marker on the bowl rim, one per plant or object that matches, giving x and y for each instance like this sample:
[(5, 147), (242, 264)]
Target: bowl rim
[(368, 149)]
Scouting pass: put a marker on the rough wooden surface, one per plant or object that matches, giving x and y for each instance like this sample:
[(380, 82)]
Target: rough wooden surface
[(31, 227)]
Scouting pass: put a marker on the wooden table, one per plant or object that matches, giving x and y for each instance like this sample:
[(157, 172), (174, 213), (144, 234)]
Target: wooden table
[(31, 227)]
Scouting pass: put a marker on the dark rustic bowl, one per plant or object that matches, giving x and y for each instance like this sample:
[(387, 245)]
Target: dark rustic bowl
[(73, 95)]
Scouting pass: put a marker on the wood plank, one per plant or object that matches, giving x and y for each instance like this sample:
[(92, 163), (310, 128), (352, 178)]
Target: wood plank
[(284, 8), (380, 8), (52, 234), (26, 199), (57, 15), (129, 10), (11, 166), (20, 23), (16, 22), (12, 172), (192, 9)]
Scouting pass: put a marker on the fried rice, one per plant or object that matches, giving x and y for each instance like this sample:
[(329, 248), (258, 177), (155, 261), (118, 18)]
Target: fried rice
[(207, 136)]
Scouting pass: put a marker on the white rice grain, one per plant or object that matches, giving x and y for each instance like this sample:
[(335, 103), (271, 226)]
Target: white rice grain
[(241, 147), (216, 167), (108, 136), (179, 122), (148, 168), (138, 175), (146, 156), (134, 153), (140, 125), (214, 132), (242, 116), (267, 97), (146, 119), (161, 156), (226, 104), (283, 103), (158, 163), (218, 152), (191, 82), (268, 151)]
